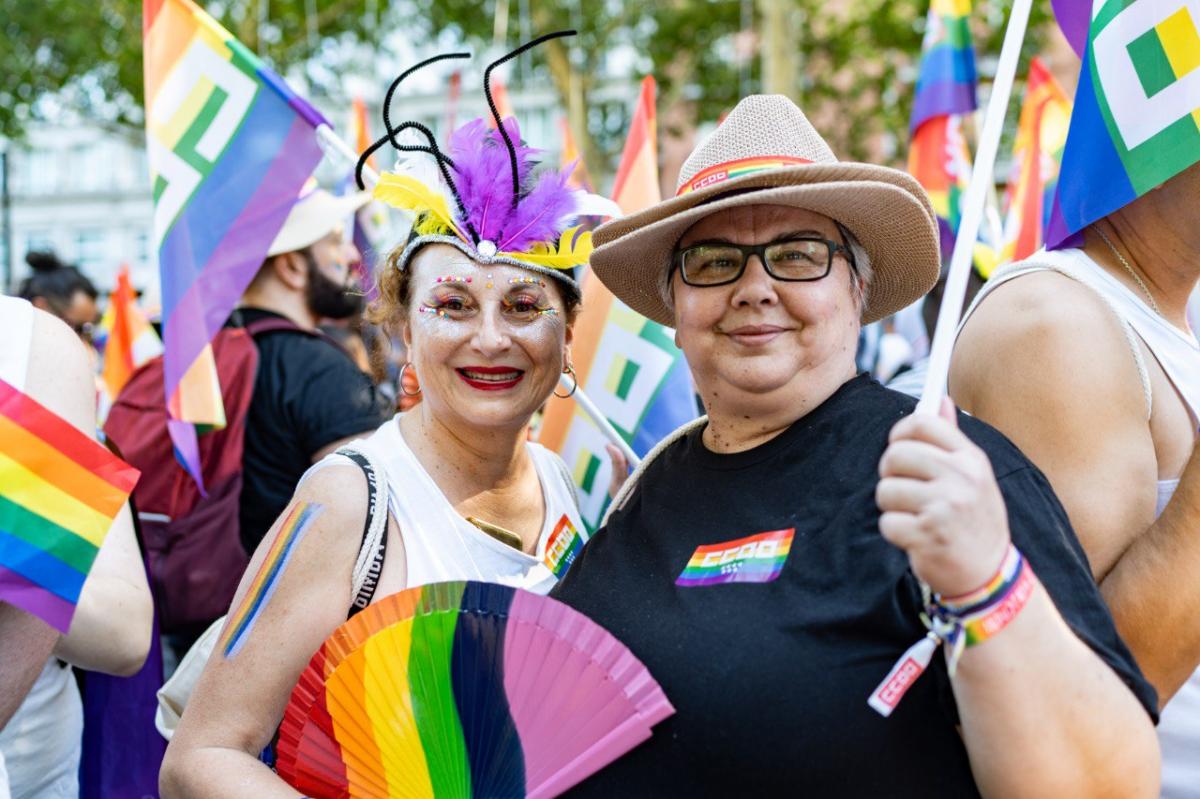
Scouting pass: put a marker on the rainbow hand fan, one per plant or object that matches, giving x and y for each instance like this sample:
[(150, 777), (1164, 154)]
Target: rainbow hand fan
[(464, 689)]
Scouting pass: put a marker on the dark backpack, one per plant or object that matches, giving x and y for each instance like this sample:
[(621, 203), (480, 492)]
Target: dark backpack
[(192, 544)]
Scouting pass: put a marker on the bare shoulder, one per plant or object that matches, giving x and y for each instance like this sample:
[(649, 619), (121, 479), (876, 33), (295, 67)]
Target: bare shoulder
[(340, 491), (60, 372), (1046, 335)]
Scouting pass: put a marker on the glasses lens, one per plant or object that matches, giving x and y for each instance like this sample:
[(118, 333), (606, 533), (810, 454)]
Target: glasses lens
[(801, 259), (709, 265)]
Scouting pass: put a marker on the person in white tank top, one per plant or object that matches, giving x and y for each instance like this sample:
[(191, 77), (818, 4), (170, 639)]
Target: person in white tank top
[(1086, 360), (487, 327), (41, 718)]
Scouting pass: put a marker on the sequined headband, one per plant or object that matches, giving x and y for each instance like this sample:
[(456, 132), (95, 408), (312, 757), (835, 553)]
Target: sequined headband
[(481, 194)]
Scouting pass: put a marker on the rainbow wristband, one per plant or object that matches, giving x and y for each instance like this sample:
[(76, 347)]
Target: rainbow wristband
[(969, 602), (958, 622), (973, 618), (983, 625)]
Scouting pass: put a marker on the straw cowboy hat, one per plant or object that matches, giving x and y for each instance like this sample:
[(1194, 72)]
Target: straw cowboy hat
[(767, 152)]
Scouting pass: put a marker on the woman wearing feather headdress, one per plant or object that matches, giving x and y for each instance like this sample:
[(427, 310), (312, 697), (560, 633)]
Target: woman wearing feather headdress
[(484, 296)]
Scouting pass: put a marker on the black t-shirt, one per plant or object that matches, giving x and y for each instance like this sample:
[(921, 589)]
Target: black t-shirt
[(770, 679), (307, 394)]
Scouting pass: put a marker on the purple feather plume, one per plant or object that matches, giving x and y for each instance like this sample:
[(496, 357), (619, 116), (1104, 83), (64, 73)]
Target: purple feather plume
[(484, 180), (541, 214)]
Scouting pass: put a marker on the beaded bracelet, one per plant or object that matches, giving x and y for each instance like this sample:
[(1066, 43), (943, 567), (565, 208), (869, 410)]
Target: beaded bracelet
[(959, 622)]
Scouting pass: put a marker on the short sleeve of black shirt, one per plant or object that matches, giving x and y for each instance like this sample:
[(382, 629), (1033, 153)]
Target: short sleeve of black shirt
[(1040, 528), (307, 394), (770, 679)]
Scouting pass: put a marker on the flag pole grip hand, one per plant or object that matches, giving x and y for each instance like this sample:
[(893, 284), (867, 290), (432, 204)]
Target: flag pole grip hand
[(595, 414), (973, 206)]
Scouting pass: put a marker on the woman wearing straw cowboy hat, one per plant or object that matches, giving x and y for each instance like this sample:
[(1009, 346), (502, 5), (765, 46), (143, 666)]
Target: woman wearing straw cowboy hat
[(788, 566)]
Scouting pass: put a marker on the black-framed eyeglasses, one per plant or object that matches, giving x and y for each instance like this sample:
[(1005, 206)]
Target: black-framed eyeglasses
[(794, 260)]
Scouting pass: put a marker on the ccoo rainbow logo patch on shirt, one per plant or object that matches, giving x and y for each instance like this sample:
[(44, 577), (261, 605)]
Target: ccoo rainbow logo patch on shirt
[(753, 559), (563, 546)]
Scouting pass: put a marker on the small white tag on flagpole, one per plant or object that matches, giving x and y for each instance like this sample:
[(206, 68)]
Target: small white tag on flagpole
[(908, 668)]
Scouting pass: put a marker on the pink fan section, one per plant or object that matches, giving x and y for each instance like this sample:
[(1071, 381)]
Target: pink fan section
[(607, 692)]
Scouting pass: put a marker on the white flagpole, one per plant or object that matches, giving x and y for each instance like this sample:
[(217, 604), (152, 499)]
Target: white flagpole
[(968, 229), (597, 416), (333, 144)]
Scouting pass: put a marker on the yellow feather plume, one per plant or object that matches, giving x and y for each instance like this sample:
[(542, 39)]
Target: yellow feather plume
[(570, 252), (409, 194)]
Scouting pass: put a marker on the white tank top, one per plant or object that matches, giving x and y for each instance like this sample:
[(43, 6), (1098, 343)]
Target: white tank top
[(1178, 353), (441, 545), (41, 742), (16, 331)]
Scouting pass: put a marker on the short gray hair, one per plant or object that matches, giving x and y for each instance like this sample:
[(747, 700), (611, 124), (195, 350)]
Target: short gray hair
[(860, 266)]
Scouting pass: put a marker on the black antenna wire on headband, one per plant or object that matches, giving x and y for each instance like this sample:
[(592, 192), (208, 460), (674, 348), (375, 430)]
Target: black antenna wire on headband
[(442, 161), (408, 148), (391, 132), (487, 91)]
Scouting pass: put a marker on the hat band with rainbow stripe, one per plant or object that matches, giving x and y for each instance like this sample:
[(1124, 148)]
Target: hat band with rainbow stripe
[(719, 173)]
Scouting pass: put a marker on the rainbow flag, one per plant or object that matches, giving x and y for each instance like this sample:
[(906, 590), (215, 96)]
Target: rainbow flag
[(938, 157), (939, 160), (130, 340), (1074, 17), (628, 365), (59, 494), (230, 146), (1136, 120), (1041, 134), (946, 80)]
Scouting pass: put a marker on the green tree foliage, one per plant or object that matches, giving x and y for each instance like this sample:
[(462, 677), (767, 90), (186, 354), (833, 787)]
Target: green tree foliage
[(88, 53), (855, 60)]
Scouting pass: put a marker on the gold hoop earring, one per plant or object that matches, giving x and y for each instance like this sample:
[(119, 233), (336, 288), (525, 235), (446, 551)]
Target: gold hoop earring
[(403, 369), (570, 370)]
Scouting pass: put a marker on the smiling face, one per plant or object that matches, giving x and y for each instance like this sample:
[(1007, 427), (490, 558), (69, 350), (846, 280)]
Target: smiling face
[(487, 342), (754, 344)]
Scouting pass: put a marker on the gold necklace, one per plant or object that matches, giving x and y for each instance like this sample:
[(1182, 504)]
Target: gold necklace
[(1128, 269)]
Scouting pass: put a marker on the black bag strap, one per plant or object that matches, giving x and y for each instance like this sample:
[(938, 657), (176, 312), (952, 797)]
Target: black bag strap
[(374, 508), (271, 324)]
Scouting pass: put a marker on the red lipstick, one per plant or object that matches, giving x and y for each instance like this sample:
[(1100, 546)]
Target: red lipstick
[(491, 378)]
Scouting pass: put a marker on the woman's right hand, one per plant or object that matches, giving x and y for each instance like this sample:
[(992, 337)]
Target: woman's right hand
[(620, 470), (940, 503)]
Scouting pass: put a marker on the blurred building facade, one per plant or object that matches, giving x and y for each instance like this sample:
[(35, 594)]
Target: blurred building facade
[(83, 192)]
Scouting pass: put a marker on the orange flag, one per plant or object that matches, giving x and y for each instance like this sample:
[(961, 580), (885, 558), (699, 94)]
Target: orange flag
[(570, 153), (358, 128), (130, 340), (636, 184), (118, 352), (500, 95), (1037, 154), (628, 365), (455, 91)]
